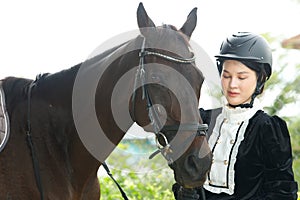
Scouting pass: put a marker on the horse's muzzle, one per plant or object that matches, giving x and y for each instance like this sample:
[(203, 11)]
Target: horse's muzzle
[(191, 171)]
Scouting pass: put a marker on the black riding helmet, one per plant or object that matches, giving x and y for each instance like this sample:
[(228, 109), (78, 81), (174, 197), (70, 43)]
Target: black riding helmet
[(253, 51)]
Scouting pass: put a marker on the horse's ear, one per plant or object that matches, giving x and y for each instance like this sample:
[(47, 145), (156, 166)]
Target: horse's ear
[(190, 24), (143, 19)]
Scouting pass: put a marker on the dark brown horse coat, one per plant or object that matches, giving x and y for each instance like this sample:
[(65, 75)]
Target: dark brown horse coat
[(66, 168)]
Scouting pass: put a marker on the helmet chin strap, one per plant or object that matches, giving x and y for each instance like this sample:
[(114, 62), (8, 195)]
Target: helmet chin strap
[(245, 105)]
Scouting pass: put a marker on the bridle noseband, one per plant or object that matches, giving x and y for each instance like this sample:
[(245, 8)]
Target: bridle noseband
[(152, 112)]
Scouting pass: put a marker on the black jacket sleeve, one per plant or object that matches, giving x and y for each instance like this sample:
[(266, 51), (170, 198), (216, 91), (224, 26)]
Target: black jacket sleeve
[(279, 180)]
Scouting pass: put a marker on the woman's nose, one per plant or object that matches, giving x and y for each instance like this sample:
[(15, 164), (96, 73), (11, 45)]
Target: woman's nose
[(233, 83)]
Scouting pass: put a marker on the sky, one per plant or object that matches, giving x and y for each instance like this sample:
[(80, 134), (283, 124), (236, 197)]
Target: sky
[(50, 36)]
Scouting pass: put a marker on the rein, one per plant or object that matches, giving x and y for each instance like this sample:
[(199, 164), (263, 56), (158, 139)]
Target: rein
[(30, 142), (152, 112)]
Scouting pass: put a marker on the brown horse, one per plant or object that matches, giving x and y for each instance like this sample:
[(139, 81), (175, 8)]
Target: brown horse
[(64, 125)]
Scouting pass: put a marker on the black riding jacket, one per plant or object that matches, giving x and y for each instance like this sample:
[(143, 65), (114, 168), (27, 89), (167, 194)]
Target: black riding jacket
[(263, 164)]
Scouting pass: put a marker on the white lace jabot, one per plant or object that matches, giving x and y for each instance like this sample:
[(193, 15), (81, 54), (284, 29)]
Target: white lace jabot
[(224, 142)]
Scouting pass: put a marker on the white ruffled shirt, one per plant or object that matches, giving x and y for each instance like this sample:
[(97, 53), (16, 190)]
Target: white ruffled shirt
[(224, 142)]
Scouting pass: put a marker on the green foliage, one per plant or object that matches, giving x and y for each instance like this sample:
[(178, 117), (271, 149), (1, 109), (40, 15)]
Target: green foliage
[(289, 89), (139, 177), (137, 187)]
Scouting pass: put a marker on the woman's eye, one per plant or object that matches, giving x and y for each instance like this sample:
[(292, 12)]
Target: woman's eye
[(226, 76)]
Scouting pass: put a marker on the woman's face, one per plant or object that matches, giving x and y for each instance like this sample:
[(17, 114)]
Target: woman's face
[(238, 82)]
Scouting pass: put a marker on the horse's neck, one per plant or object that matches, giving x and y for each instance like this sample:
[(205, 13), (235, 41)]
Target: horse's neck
[(86, 88), (114, 90), (54, 95)]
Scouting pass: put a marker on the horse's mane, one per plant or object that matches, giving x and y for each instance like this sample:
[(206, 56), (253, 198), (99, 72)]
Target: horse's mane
[(173, 28), (73, 70), (18, 87)]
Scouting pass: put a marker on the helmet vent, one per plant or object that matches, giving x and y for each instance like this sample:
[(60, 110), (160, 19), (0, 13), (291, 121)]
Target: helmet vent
[(252, 45)]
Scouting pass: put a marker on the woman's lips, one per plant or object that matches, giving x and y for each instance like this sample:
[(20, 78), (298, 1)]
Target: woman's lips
[(233, 94)]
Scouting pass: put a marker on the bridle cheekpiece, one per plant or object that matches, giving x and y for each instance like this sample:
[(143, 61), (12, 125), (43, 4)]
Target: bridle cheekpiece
[(152, 112)]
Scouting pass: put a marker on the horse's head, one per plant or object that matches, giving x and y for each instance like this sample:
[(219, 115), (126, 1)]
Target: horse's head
[(166, 102)]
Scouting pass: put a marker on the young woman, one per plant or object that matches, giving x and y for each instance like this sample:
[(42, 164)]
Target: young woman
[(252, 156)]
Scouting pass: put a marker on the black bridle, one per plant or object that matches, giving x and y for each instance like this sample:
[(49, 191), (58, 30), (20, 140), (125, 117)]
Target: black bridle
[(152, 114), (158, 128)]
